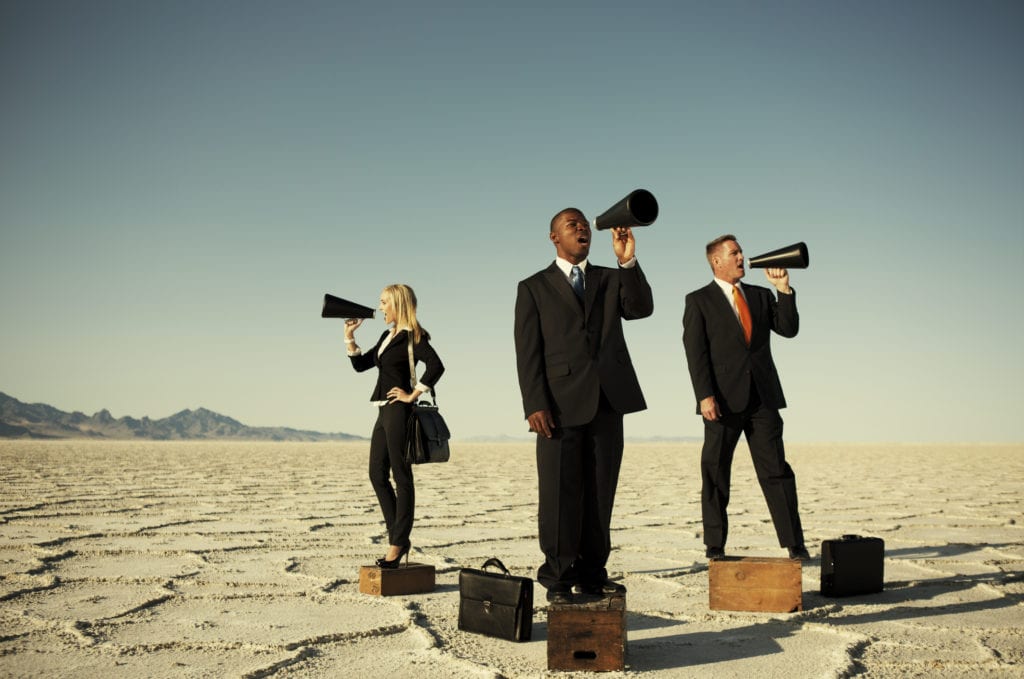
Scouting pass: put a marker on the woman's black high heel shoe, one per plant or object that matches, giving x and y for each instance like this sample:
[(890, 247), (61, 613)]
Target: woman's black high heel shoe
[(393, 563)]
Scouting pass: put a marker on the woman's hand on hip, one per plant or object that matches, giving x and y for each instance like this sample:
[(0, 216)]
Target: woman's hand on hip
[(398, 394)]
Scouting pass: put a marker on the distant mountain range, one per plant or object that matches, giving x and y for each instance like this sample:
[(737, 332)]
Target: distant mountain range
[(40, 421)]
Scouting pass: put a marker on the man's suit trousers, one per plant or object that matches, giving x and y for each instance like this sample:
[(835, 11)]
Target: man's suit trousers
[(763, 429), (578, 471)]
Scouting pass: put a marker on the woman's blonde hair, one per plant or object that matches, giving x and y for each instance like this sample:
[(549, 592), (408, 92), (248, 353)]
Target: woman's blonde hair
[(403, 301)]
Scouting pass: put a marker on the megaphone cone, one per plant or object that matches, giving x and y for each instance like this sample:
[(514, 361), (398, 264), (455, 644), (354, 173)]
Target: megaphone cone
[(639, 208), (790, 257), (336, 307)]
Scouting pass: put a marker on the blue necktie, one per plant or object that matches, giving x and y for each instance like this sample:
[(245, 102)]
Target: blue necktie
[(576, 278)]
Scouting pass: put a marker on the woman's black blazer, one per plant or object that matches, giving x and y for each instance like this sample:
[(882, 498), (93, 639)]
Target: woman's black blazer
[(393, 364)]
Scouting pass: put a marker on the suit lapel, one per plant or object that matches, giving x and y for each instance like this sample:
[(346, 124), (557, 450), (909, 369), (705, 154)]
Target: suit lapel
[(726, 312), (754, 304), (557, 280), (399, 340), (594, 278)]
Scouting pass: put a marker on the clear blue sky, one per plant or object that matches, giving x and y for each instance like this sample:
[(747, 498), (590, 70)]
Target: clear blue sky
[(181, 182)]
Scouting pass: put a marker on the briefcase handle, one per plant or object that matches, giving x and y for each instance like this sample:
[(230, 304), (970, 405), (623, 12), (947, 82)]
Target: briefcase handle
[(496, 562)]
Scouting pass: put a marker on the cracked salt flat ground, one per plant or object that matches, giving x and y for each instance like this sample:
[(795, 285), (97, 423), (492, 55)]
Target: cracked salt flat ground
[(240, 559)]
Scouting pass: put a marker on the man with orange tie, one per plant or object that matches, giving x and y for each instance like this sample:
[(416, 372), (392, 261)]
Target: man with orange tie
[(727, 330)]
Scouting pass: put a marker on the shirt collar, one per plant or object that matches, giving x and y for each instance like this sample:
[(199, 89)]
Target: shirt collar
[(394, 330), (566, 266), (727, 287)]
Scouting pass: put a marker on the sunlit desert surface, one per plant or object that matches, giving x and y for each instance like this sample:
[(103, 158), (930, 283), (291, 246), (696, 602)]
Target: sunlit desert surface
[(185, 559)]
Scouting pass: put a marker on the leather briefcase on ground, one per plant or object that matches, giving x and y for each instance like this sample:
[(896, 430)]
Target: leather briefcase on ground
[(496, 604), (852, 565)]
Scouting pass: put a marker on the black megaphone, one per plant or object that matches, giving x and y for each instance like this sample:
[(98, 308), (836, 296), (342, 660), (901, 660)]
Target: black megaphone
[(639, 208), (790, 257), (336, 307)]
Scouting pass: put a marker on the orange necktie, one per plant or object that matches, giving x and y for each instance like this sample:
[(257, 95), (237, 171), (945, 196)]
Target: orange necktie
[(744, 312)]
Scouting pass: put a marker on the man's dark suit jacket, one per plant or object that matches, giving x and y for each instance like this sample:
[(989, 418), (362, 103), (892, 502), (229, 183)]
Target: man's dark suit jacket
[(568, 353), (394, 364), (720, 362)]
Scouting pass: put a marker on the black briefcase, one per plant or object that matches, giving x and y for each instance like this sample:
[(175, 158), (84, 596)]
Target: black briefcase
[(852, 565), (498, 605)]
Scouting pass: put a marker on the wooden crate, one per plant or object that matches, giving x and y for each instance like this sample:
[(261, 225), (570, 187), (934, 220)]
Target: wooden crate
[(415, 578), (754, 583), (587, 636)]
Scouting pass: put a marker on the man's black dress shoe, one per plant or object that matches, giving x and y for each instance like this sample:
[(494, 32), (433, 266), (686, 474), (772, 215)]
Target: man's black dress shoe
[(559, 594), (714, 553), (606, 588), (799, 552)]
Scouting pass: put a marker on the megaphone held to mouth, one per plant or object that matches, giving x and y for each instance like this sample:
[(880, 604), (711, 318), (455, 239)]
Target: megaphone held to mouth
[(336, 307), (639, 208), (790, 257)]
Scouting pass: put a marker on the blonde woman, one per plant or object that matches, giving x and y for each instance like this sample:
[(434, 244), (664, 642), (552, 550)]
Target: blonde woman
[(387, 442)]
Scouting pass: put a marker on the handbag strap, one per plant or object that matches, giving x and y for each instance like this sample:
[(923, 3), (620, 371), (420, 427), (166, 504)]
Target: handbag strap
[(412, 370), (496, 562), (412, 365)]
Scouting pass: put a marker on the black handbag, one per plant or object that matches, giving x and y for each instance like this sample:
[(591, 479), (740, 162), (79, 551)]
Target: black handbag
[(426, 433), (495, 604)]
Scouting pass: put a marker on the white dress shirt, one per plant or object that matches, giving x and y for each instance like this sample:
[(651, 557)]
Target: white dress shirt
[(727, 291), (566, 267)]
